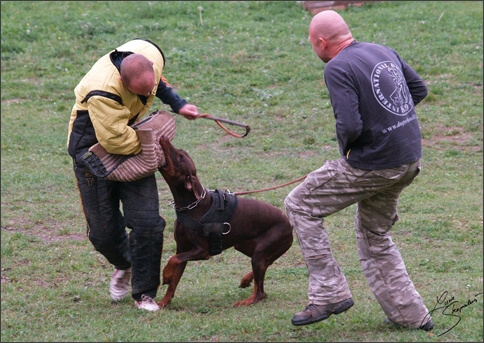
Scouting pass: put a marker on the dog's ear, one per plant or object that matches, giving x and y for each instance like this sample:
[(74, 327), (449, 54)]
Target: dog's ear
[(191, 184), (196, 191), (188, 182)]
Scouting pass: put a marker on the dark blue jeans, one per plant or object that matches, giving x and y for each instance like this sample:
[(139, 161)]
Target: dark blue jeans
[(141, 249)]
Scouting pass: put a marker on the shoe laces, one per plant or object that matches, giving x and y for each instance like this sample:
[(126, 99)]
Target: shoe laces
[(147, 298), (311, 307)]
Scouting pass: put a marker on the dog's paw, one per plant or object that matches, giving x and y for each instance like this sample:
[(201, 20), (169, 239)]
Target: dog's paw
[(162, 303), (246, 280), (253, 299)]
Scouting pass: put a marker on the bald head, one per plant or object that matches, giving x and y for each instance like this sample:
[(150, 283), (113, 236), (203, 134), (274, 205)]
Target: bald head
[(137, 74), (329, 25), (329, 34)]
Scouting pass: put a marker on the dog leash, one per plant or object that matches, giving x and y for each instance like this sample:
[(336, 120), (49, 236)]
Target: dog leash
[(247, 130), (220, 120), (270, 188)]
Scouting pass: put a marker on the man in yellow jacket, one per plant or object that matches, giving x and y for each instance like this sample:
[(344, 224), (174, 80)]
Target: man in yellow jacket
[(118, 90)]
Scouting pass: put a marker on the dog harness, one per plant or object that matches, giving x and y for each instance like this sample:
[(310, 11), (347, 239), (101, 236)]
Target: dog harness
[(214, 223)]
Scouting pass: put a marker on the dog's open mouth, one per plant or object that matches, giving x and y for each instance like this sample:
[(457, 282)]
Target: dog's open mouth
[(167, 164)]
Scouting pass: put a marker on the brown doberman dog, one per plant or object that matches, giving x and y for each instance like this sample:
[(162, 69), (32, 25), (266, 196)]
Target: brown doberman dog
[(209, 222)]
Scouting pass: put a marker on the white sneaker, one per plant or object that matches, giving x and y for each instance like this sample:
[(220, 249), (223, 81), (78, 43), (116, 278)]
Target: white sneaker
[(120, 282), (147, 303)]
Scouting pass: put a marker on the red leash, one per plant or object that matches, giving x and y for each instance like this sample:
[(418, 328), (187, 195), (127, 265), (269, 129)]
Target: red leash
[(219, 120), (247, 130), (270, 188)]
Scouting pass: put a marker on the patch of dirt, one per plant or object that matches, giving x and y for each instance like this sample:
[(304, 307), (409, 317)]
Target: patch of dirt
[(48, 232), (317, 6), (455, 135), (11, 101)]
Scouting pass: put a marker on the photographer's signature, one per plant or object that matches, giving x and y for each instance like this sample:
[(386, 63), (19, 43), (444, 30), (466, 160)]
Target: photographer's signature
[(447, 305)]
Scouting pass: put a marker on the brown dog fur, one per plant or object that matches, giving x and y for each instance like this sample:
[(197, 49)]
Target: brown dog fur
[(258, 229)]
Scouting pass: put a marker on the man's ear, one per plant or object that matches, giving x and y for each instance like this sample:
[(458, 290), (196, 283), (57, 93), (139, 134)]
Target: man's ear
[(322, 42)]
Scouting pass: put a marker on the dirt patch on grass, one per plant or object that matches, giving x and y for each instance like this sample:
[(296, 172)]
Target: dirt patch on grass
[(10, 101), (456, 136), (49, 231)]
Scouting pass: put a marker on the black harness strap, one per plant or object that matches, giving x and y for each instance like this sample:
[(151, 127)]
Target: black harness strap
[(213, 223), (188, 221)]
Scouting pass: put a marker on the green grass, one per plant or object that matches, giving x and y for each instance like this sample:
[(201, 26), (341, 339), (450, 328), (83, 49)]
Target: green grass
[(248, 61)]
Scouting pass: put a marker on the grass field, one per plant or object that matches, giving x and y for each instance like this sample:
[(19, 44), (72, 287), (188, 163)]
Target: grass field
[(248, 61)]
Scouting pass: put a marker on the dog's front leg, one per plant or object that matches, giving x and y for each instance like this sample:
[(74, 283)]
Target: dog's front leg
[(174, 269), (172, 274)]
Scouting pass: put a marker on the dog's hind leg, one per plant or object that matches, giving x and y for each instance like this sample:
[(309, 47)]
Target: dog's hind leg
[(264, 253), (260, 263), (247, 280), (258, 294), (246, 248)]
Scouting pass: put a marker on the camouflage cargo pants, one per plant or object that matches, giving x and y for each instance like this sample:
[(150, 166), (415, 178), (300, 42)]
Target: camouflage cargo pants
[(333, 187)]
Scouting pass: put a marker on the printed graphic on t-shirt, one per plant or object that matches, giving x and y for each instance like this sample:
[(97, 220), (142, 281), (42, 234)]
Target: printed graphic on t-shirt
[(390, 88), (400, 124)]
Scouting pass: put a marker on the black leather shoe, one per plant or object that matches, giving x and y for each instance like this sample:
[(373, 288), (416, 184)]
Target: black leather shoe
[(426, 327), (315, 313)]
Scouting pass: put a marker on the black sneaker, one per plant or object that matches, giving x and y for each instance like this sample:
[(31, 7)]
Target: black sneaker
[(315, 313)]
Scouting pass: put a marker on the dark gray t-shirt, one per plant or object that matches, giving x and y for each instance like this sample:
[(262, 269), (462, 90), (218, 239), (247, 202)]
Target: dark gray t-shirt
[(373, 93)]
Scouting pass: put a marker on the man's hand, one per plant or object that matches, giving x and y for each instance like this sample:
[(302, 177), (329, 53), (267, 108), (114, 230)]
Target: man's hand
[(189, 111)]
